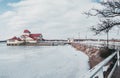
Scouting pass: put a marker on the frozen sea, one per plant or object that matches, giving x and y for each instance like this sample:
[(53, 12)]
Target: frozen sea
[(41, 62)]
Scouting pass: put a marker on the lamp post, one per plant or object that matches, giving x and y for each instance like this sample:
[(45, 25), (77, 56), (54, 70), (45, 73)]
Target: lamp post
[(107, 31), (107, 38), (79, 35)]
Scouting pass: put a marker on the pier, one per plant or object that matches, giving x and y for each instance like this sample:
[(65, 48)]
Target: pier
[(54, 42), (2, 41)]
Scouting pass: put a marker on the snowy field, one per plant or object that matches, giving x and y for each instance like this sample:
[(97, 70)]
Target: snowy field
[(41, 62)]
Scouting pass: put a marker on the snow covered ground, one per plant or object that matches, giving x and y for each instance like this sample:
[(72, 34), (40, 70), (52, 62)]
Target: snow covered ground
[(41, 62), (99, 43)]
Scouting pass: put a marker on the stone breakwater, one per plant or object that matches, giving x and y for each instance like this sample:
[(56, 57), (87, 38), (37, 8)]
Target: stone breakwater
[(92, 52)]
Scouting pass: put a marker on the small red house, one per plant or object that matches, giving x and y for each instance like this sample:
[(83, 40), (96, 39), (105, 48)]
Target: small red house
[(27, 37)]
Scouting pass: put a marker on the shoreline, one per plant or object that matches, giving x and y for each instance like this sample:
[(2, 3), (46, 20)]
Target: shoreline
[(96, 56), (39, 44), (92, 52)]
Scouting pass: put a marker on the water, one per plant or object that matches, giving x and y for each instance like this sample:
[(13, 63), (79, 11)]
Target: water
[(41, 62)]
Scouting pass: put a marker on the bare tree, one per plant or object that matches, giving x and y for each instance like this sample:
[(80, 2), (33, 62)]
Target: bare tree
[(104, 26), (111, 9), (108, 13)]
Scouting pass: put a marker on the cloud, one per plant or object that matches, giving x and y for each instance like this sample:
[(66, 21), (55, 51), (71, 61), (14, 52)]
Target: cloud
[(54, 19)]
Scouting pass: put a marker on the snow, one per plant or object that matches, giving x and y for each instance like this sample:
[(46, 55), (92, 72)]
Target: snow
[(99, 43), (41, 62)]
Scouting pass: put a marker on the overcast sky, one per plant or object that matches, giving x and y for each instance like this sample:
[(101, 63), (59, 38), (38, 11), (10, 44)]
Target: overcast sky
[(55, 19)]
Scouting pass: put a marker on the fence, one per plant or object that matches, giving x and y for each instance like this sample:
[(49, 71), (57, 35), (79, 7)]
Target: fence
[(97, 71)]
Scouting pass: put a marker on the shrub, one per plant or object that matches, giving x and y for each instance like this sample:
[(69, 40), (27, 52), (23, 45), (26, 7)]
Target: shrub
[(105, 52)]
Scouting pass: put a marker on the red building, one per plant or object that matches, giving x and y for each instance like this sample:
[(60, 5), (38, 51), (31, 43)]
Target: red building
[(26, 37)]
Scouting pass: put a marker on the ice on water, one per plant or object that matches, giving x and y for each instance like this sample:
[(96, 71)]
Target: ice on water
[(41, 62)]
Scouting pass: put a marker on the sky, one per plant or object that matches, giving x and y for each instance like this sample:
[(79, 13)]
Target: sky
[(56, 19), (4, 7)]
